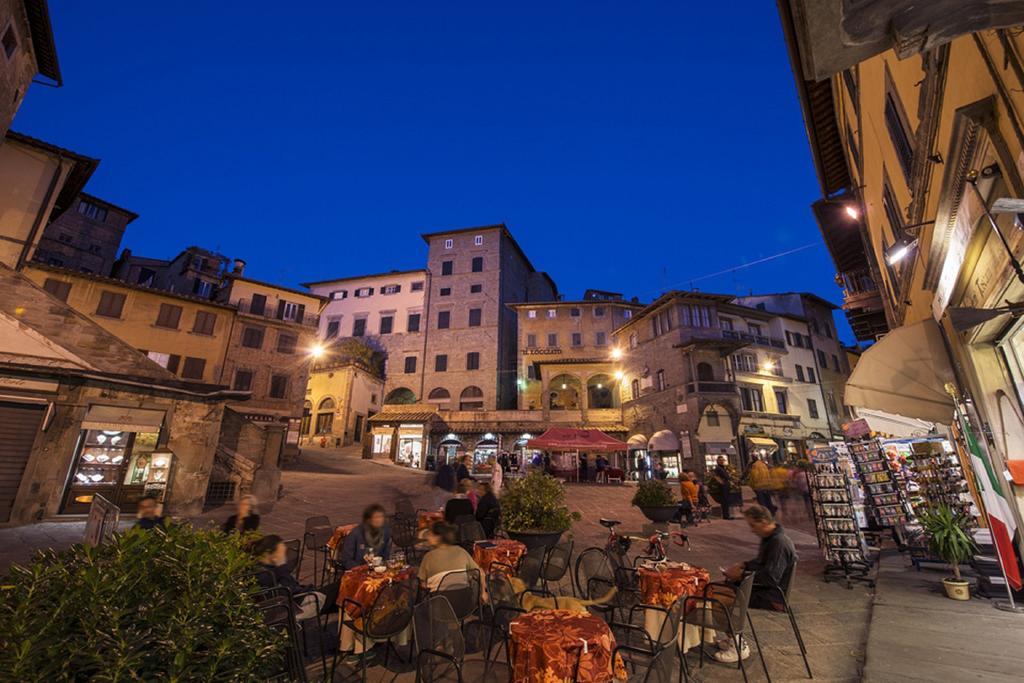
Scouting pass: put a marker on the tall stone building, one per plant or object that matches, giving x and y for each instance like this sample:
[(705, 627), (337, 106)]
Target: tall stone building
[(86, 236), (470, 359), (27, 50)]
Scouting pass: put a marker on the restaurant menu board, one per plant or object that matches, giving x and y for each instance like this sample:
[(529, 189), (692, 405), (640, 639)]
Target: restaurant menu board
[(883, 498), (839, 533)]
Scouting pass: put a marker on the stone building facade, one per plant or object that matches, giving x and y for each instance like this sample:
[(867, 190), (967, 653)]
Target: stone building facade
[(270, 349), (387, 311), (341, 396), (86, 236), (27, 49), (470, 357), (185, 335)]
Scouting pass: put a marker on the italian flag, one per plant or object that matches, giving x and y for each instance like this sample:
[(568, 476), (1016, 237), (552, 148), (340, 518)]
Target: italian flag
[(1000, 517)]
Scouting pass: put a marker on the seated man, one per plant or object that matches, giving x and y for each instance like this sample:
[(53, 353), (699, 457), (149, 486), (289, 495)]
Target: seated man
[(774, 555), (148, 517)]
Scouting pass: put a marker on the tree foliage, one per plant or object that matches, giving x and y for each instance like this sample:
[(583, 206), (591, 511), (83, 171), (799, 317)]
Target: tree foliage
[(653, 493), (160, 605)]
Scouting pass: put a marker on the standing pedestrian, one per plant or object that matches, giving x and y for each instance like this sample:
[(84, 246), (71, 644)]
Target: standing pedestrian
[(584, 467), (461, 471), (497, 474), (721, 474)]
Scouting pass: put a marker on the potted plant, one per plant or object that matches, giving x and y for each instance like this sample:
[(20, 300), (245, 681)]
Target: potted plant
[(656, 500), (948, 540), (534, 512)]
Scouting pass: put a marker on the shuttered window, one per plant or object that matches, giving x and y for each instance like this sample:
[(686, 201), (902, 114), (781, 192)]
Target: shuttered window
[(205, 322), (111, 304), (58, 289), (168, 316)]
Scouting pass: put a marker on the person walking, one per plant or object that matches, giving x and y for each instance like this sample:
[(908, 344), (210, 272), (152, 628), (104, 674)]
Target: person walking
[(760, 479), (497, 474), (721, 475)]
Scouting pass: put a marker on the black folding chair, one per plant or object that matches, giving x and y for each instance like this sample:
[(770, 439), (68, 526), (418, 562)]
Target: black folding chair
[(663, 668), (269, 590), (469, 533), (530, 566), (462, 590), (638, 647), (278, 613), (556, 565), (293, 553), (596, 573), (440, 646), (386, 619), (405, 536), (781, 589), (502, 608), (317, 532), (730, 615)]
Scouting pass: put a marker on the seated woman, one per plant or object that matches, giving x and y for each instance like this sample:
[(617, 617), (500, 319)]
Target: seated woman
[(373, 535), (444, 556), (459, 505), (245, 518), (488, 510), (272, 555)]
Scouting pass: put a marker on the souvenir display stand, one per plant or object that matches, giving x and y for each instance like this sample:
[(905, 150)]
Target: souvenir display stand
[(883, 496), (839, 534)]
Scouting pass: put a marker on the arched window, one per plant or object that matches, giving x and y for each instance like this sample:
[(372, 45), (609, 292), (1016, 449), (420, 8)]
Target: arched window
[(400, 395), (471, 398), (705, 373), (564, 392), (440, 397), (325, 416), (602, 392)]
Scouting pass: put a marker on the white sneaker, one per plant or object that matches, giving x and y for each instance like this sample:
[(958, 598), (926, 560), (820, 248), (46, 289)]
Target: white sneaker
[(727, 653)]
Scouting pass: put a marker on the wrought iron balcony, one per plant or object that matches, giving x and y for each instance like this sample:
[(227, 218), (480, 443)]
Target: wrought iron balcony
[(761, 340)]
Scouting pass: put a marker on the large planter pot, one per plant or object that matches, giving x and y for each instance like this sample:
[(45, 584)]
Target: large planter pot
[(536, 539), (957, 590), (659, 513)]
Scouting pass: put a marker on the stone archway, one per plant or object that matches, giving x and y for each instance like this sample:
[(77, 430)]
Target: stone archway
[(400, 396), (563, 392), (601, 392)]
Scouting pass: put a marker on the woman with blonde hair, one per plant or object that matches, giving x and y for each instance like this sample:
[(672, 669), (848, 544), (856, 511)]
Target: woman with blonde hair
[(245, 518)]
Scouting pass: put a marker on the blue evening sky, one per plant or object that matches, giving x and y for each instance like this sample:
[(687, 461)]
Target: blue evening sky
[(630, 146)]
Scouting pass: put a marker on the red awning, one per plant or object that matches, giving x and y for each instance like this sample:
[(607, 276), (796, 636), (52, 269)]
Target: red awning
[(568, 439)]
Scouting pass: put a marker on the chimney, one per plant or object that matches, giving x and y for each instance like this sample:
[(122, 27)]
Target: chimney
[(239, 267)]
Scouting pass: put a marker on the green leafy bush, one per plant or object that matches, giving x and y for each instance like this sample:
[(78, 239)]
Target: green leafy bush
[(653, 493), (536, 503), (947, 537), (172, 605)]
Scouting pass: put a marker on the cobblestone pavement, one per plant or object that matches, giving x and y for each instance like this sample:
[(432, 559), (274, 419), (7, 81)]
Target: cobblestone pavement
[(833, 620)]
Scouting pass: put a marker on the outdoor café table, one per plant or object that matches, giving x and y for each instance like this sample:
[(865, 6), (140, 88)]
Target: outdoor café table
[(545, 644), (338, 537), (661, 584), (427, 517), (362, 585), (503, 551)]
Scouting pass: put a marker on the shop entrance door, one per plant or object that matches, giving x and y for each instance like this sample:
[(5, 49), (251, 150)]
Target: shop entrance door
[(19, 424)]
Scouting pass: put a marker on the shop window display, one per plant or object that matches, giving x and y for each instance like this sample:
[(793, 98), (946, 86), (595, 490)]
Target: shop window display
[(119, 465)]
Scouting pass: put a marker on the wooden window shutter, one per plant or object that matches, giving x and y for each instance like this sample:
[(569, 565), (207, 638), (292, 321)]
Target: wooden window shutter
[(301, 313), (280, 309)]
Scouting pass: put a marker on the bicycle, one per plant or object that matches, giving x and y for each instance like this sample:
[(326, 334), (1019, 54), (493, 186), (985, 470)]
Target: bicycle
[(618, 545)]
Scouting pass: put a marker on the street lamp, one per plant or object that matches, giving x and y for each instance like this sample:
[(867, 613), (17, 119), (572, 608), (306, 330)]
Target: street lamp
[(616, 353), (619, 374), (901, 247), (852, 211), (317, 351)]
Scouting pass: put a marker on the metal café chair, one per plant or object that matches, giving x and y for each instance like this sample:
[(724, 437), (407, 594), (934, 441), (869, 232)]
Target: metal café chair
[(462, 590), (387, 618), (439, 641), (633, 640), (731, 616), (782, 589), (502, 608), (315, 535), (556, 565)]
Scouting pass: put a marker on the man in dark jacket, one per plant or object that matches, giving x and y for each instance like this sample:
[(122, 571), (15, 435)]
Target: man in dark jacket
[(774, 556), (445, 479), (721, 473), (461, 471)]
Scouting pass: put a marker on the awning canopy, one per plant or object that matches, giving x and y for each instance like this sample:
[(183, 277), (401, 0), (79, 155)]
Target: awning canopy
[(117, 418), (905, 373), (568, 439), (762, 442), (637, 441), (665, 440), (896, 425)]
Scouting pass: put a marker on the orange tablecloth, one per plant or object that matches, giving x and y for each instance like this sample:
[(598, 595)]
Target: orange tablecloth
[(428, 517), (362, 585), (665, 585), (545, 644), (503, 551)]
